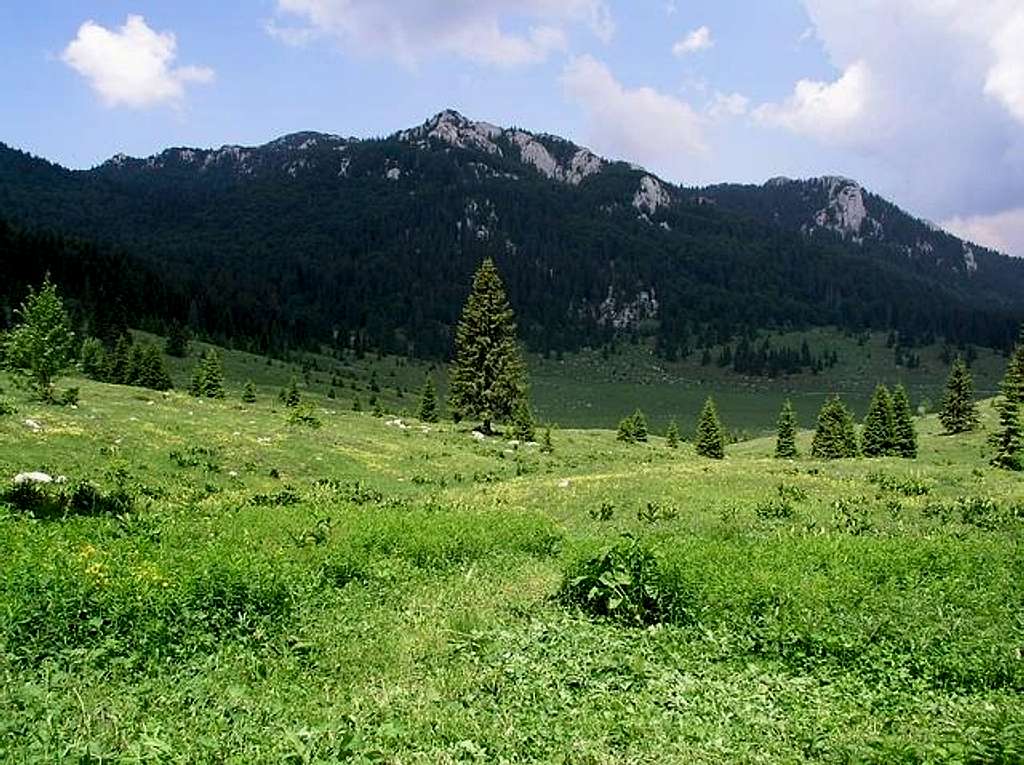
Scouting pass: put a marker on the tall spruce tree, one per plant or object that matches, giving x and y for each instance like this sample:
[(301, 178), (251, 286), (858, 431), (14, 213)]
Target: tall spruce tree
[(959, 413), (150, 370), (785, 438), (488, 376), (878, 439), (208, 377), (41, 346), (428, 400), (1009, 439), (119, 361), (835, 436), (709, 440), (904, 433)]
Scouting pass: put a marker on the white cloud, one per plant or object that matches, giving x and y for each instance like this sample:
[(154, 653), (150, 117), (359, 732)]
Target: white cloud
[(832, 111), (728, 105), (641, 124), (1003, 231), (1005, 78), (931, 92), (697, 40), (476, 30), (131, 66)]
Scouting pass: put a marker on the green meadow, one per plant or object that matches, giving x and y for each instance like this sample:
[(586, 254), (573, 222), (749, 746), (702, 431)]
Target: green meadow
[(215, 582)]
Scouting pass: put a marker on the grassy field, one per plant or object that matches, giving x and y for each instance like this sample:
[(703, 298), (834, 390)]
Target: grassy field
[(586, 390), (214, 584)]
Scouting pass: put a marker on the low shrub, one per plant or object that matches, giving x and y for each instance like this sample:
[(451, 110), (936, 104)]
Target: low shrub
[(625, 582)]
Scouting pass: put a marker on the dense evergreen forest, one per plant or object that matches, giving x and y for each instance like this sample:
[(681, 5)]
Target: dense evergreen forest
[(315, 239)]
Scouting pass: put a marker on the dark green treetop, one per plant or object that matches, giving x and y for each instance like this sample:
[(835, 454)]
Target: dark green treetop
[(959, 413), (709, 440), (834, 437), (488, 376), (785, 439)]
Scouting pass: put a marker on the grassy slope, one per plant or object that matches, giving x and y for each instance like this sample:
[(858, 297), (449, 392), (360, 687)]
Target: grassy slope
[(587, 391), (403, 608)]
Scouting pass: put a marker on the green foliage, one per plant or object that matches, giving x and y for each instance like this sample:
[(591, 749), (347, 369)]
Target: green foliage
[(208, 377), (118, 362), (879, 437), (1009, 440), (959, 413), (249, 392), (834, 437), (303, 415), (53, 500), (147, 368), (640, 432), (626, 431), (487, 377), (289, 395), (904, 433), (177, 340), (93, 358), (672, 435), (624, 583), (40, 346), (785, 438), (523, 425), (709, 440), (546, 445), (428, 401)]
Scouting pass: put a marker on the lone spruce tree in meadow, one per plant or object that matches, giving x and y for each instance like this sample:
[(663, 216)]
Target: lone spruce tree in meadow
[(672, 435), (41, 346), (785, 439), (626, 431), (640, 431), (959, 413), (208, 377), (428, 401), (488, 377), (524, 427), (834, 437), (904, 433), (249, 392), (1009, 439), (709, 440), (878, 439)]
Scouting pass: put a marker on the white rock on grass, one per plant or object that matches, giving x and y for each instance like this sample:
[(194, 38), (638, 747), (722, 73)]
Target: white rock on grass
[(33, 425), (33, 477)]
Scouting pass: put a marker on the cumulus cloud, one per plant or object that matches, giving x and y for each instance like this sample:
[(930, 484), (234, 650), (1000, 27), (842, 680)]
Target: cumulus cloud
[(1003, 231), (476, 30), (641, 123), (697, 40), (933, 92), (832, 112), (728, 105), (132, 66)]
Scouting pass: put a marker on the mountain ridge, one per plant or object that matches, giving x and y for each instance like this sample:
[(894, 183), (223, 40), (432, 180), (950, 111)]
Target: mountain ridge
[(371, 241)]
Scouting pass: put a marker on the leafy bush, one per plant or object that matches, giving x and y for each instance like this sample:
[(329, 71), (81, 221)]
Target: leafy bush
[(851, 516), (196, 456), (625, 583), (652, 512), (50, 500), (603, 513), (774, 509), (303, 415)]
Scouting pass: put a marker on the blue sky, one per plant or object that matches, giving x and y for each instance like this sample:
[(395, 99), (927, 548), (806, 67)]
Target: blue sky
[(920, 100)]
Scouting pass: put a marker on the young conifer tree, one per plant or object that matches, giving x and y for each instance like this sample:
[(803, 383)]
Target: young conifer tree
[(1009, 439), (835, 436), (640, 431), (249, 392), (878, 439), (672, 435), (905, 434), (959, 413), (709, 440), (785, 439), (626, 432), (488, 376), (41, 346), (212, 375), (428, 400)]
